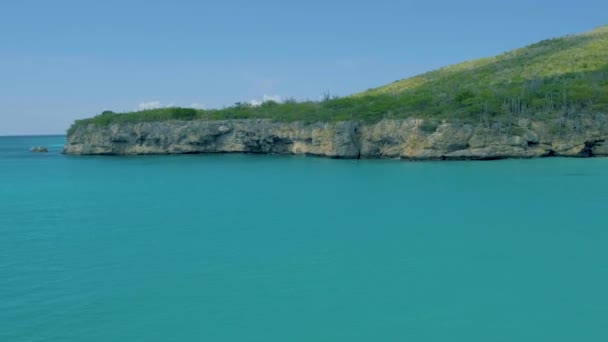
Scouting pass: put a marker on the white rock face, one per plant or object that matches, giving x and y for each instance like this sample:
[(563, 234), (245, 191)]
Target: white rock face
[(405, 139)]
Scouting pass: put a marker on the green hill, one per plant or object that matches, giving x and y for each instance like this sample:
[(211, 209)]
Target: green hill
[(561, 77), (542, 78)]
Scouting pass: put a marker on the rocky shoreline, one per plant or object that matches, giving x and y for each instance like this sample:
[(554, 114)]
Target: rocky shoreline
[(413, 139)]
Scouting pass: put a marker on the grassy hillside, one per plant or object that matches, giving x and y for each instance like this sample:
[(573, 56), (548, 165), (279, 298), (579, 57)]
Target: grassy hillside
[(560, 77)]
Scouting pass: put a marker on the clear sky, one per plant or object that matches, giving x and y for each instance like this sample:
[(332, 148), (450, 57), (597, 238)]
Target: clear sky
[(65, 59)]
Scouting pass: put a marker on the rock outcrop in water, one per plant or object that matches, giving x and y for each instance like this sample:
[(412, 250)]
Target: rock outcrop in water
[(39, 149), (406, 139)]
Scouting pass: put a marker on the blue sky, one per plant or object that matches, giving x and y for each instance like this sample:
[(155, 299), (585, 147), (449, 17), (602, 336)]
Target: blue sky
[(62, 60)]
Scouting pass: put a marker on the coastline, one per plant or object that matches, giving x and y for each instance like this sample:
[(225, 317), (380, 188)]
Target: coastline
[(408, 139)]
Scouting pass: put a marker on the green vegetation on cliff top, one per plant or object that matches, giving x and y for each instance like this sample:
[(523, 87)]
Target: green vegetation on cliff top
[(561, 77)]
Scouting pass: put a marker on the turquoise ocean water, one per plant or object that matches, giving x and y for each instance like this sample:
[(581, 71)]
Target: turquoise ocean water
[(278, 248)]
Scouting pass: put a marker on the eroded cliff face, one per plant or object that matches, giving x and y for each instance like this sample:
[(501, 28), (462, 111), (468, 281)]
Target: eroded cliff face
[(405, 139), (249, 136)]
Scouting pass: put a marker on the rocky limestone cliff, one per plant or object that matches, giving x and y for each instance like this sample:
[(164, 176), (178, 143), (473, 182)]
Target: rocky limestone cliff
[(405, 139)]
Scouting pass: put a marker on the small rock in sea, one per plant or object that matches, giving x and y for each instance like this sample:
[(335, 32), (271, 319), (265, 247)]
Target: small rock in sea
[(40, 149)]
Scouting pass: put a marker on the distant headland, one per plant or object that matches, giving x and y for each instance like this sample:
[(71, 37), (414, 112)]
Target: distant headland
[(546, 99)]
